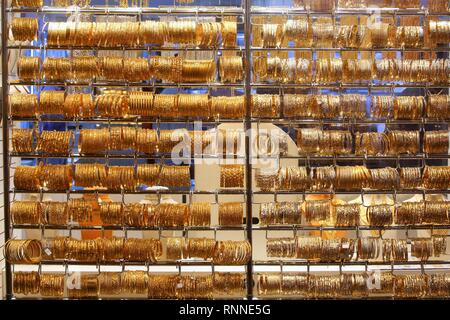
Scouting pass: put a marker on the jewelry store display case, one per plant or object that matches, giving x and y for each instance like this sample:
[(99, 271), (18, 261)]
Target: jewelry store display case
[(225, 149)]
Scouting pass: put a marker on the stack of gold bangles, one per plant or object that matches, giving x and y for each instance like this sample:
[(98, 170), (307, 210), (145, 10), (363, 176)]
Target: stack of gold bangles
[(45, 284), (132, 34), (309, 141), (332, 70), (232, 176), (24, 29), (119, 104), (23, 105), (231, 213), (26, 212), (220, 252), (410, 285), (265, 106), (23, 251)]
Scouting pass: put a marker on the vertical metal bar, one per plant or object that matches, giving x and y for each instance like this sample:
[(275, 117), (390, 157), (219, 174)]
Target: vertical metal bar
[(5, 141), (248, 127)]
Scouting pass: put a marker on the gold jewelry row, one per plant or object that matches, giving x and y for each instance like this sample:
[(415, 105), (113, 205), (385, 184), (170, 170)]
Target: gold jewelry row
[(332, 213), (129, 214), (150, 141), (24, 29), (224, 252), (438, 6), (155, 286), (139, 140), (115, 178), (132, 34), (293, 178), (27, 3), (232, 176), (100, 249), (350, 106), (129, 34), (333, 70), (171, 69), (377, 35), (340, 142), (434, 6), (119, 104), (100, 176), (409, 285), (360, 249)]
